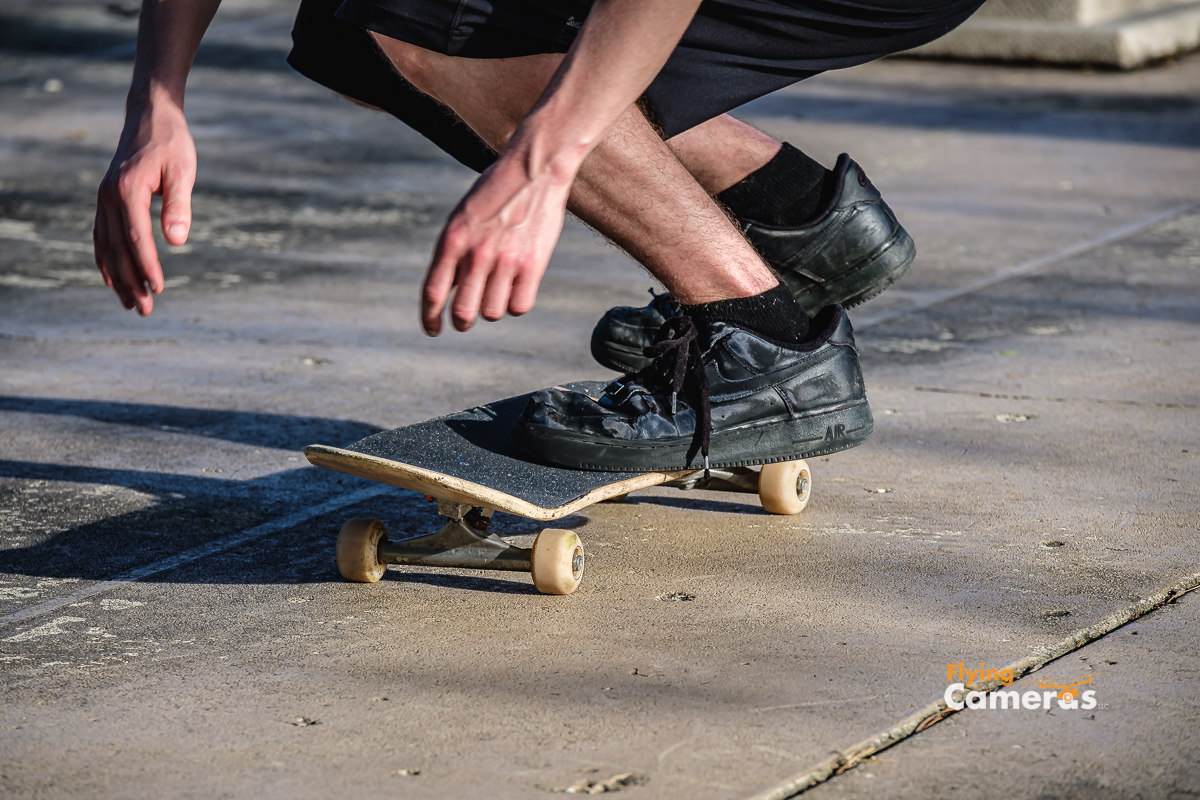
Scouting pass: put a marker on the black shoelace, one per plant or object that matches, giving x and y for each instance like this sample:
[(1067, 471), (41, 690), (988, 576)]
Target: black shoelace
[(676, 358)]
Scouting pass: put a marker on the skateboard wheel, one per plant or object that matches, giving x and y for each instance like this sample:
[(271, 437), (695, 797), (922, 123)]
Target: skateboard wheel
[(358, 550), (784, 488), (557, 561)]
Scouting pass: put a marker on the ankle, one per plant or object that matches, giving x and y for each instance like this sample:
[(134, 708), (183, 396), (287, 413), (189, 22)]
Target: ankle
[(723, 151), (787, 191), (774, 314)]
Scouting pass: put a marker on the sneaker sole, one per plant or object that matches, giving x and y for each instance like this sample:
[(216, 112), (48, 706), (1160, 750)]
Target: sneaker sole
[(817, 433)]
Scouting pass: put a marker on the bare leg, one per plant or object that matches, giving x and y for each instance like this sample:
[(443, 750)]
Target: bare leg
[(717, 153), (631, 188), (722, 151)]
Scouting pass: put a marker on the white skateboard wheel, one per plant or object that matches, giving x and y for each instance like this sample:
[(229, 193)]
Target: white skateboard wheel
[(557, 561), (358, 550), (784, 488)]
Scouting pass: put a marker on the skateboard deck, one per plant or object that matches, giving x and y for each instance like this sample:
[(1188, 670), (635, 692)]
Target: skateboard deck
[(468, 464), (469, 457)]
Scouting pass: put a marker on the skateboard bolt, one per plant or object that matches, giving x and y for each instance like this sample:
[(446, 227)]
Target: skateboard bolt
[(577, 563)]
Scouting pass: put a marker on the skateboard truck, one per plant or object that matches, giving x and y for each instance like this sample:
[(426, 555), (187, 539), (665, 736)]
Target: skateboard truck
[(463, 542), (783, 487), (730, 479), (556, 559)]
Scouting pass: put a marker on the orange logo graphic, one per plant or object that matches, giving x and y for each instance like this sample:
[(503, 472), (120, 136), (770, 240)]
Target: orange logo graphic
[(1067, 691)]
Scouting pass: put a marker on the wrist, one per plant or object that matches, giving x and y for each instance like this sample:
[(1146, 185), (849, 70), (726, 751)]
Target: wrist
[(150, 118), (547, 150), (156, 97)]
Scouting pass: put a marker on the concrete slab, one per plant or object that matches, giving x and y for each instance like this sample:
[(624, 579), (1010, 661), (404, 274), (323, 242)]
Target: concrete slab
[(1117, 33), (1035, 464)]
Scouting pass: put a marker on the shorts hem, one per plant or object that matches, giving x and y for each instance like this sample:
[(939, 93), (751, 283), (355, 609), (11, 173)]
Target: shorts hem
[(416, 32)]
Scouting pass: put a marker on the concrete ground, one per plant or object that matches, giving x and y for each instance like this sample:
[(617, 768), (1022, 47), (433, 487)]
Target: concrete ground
[(1035, 464)]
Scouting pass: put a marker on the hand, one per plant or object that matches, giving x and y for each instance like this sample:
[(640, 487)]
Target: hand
[(156, 155), (497, 244)]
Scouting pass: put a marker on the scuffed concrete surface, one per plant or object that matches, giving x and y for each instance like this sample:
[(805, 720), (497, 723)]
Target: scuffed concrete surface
[(1057, 407)]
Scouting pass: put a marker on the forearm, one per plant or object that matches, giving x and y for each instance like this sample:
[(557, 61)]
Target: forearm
[(169, 34), (620, 49)]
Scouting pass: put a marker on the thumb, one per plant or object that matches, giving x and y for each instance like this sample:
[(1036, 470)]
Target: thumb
[(177, 203)]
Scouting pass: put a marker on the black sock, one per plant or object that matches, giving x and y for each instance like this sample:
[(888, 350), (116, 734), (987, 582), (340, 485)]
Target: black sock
[(774, 314), (788, 190)]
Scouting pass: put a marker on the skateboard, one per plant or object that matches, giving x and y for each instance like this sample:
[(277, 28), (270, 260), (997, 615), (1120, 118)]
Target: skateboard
[(467, 464)]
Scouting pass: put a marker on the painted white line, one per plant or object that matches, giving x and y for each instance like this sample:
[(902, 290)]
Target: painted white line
[(1024, 268), (233, 540)]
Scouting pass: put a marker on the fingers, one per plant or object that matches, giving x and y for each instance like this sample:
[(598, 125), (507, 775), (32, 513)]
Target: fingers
[(482, 285), (125, 251), (177, 182), (138, 259), (108, 255), (119, 263), (496, 293), (139, 236), (474, 273), (524, 291), (100, 243), (439, 280)]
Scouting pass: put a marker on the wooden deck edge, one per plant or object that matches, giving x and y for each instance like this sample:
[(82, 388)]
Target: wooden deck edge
[(447, 487)]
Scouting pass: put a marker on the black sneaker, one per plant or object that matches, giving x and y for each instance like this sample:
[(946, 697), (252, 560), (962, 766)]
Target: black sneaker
[(743, 400), (851, 252), (620, 338)]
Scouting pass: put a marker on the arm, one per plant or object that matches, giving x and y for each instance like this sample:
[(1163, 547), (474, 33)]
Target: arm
[(498, 241), (155, 154)]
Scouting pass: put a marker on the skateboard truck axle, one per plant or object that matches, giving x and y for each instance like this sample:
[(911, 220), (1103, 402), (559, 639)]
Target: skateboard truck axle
[(463, 542), (729, 479)]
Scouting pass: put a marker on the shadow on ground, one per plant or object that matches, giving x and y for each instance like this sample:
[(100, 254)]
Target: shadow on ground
[(278, 431), (192, 510)]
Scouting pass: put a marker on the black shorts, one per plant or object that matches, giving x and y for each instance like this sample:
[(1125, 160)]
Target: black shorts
[(733, 51), (344, 58)]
